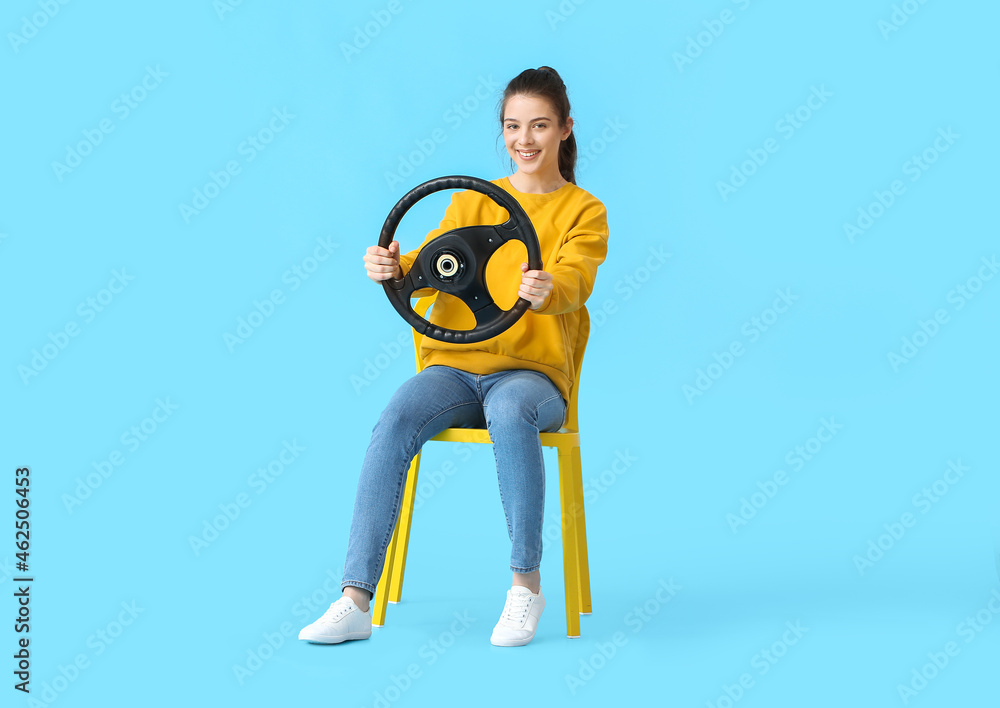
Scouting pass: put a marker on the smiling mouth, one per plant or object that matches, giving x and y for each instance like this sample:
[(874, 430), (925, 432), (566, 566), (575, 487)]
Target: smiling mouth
[(528, 154)]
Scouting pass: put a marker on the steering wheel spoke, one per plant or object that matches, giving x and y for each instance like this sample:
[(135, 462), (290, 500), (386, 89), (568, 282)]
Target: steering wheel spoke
[(484, 239), (415, 279), (487, 313)]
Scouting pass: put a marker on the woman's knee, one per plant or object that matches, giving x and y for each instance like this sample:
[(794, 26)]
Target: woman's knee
[(509, 406), (527, 398), (404, 411)]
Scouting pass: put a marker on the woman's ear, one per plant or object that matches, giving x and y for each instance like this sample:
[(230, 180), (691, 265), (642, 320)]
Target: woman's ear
[(568, 128)]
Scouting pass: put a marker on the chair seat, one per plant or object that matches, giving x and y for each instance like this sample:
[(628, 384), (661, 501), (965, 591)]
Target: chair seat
[(562, 439)]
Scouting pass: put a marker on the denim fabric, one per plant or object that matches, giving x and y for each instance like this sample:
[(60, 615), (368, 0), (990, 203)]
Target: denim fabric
[(513, 405)]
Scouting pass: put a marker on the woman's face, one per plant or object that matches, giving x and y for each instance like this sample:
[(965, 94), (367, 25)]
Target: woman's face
[(532, 134)]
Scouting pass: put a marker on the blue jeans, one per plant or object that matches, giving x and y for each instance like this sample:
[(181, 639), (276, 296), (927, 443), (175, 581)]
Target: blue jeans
[(515, 406)]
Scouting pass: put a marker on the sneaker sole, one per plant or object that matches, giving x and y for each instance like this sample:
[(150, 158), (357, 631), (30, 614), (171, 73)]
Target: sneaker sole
[(510, 642), (336, 640)]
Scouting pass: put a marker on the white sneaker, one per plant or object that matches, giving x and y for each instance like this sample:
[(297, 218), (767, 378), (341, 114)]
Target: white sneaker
[(343, 621), (519, 619)]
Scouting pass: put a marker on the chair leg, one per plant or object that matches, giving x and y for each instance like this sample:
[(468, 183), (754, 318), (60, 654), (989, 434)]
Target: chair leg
[(383, 587), (390, 583), (571, 575), (582, 564), (403, 542)]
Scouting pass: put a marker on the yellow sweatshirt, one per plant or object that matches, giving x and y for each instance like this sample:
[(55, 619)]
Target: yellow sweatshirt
[(572, 229)]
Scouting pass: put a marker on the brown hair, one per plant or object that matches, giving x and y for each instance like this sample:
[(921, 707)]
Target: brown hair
[(546, 83)]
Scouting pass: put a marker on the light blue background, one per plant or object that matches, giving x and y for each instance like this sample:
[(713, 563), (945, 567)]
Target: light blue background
[(658, 137)]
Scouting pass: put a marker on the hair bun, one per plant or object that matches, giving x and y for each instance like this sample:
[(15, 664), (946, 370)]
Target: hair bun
[(551, 71)]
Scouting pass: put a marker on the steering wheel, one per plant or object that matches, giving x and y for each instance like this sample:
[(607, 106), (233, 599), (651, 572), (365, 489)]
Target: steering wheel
[(455, 262)]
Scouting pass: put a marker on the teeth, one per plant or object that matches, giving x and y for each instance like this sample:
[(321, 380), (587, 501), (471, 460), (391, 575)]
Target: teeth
[(528, 154)]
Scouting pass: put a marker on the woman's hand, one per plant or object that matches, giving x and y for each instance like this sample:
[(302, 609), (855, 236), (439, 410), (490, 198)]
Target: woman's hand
[(536, 286), (383, 263)]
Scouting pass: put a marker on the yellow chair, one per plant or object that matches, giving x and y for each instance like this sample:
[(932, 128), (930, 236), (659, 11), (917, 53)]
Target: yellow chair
[(574, 528)]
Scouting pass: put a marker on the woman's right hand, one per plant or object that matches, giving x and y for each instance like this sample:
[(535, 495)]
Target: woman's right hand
[(383, 263)]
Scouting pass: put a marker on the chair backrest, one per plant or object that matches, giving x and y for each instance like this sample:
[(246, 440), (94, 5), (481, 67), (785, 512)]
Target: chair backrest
[(572, 422)]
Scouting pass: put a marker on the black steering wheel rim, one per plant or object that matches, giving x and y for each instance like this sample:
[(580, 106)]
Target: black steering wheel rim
[(455, 262)]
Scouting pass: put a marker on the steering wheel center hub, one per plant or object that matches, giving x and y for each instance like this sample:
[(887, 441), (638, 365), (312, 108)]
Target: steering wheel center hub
[(448, 265)]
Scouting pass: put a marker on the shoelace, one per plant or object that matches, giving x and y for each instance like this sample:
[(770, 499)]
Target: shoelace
[(515, 612), (336, 611)]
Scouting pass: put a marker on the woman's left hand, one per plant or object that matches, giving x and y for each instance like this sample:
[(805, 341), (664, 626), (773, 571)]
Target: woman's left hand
[(536, 286)]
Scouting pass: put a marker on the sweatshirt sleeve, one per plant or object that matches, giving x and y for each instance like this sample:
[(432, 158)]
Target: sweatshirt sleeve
[(575, 269)]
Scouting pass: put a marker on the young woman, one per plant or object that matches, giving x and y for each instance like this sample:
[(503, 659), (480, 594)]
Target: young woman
[(516, 384)]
